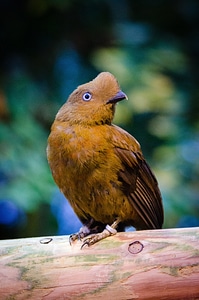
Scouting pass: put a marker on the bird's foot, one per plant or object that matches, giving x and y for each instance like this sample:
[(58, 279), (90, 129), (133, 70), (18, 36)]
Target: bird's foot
[(83, 232), (94, 238)]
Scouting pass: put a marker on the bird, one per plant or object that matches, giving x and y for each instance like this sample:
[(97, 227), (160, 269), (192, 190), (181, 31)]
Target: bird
[(100, 167)]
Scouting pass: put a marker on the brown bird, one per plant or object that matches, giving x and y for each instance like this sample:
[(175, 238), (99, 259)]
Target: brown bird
[(99, 167)]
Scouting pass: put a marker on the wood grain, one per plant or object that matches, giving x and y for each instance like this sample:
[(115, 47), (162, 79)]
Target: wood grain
[(151, 264)]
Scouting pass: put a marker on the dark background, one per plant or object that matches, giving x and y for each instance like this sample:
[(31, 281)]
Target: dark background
[(47, 48)]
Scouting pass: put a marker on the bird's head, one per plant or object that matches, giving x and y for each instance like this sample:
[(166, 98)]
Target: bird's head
[(93, 102)]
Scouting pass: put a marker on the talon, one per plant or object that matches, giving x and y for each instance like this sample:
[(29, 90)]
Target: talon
[(84, 244), (71, 239)]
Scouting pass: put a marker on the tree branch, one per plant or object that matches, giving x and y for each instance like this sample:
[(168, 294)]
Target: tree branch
[(151, 264)]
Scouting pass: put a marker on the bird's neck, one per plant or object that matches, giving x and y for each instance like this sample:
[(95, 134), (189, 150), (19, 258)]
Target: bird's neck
[(100, 116)]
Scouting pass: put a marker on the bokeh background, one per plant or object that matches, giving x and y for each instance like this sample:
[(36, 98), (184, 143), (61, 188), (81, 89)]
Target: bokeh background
[(47, 48)]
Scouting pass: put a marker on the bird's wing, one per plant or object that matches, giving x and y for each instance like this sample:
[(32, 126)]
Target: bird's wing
[(138, 181)]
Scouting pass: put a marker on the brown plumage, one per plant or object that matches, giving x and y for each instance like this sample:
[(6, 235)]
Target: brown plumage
[(99, 167)]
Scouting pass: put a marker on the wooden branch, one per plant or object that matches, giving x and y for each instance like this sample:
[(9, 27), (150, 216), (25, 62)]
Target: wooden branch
[(153, 264)]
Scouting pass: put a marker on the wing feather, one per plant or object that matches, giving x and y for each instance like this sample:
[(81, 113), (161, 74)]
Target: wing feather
[(138, 182)]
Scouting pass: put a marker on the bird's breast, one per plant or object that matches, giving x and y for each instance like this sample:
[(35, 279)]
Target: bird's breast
[(85, 167), (77, 152)]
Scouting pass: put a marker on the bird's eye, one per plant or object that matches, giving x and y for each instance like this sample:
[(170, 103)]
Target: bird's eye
[(87, 96)]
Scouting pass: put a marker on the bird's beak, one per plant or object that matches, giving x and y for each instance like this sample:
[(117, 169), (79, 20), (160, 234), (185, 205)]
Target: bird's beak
[(118, 97)]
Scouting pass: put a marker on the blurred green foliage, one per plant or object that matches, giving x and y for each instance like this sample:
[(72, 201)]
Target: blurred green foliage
[(49, 47)]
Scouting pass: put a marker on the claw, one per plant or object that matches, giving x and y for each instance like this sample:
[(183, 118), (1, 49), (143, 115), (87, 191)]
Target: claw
[(92, 239), (83, 232), (84, 244), (72, 238)]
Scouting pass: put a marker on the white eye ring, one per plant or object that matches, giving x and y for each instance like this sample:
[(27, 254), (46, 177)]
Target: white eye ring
[(87, 96)]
